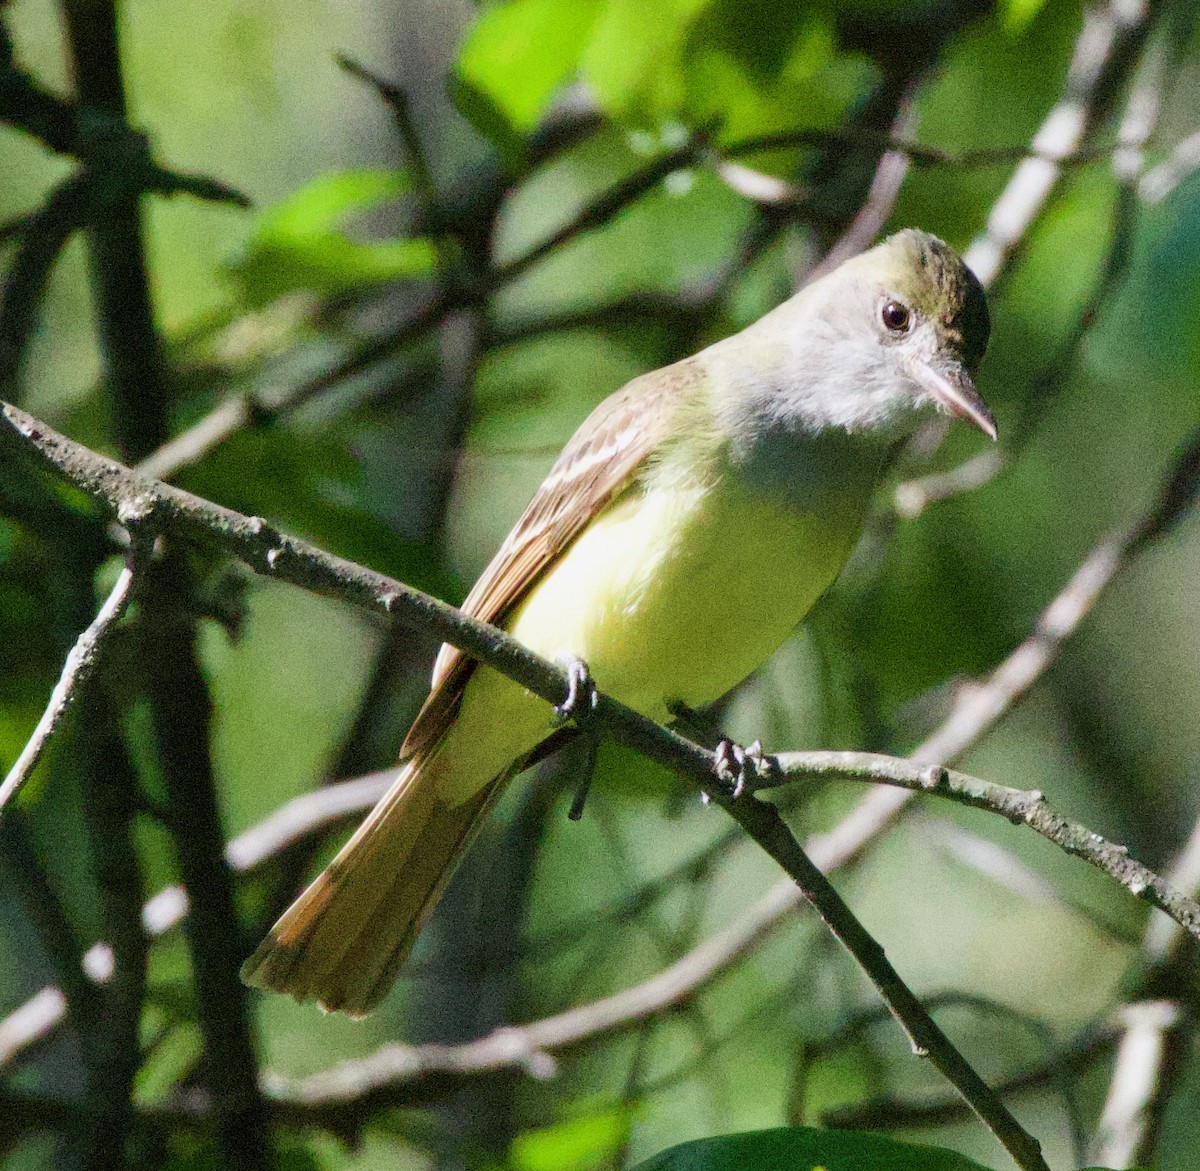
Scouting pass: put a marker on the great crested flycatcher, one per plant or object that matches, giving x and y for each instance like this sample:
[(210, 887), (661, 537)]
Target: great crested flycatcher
[(680, 537)]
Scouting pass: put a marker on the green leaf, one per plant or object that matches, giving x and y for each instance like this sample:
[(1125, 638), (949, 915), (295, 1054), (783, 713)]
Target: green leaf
[(479, 108), (297, 244), (632, 61), (516, 57), (761, 34), (805, 1149), (574, 1145), (1018, 15)]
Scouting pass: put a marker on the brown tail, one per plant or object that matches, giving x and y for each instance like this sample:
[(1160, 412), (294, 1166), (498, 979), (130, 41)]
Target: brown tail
[(343, 940)]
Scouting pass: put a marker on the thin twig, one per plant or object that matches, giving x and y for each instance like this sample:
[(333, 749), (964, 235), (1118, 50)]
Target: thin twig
[(395, 97), (269, 402), (87, 134), (41, 239), (764, 824), (78, 669), (913, 496), (1022, 807), (268, 551)]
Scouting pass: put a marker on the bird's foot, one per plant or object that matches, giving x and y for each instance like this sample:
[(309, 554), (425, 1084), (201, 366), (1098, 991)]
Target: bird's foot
[(578, 705), (582, 696), (739, 767)]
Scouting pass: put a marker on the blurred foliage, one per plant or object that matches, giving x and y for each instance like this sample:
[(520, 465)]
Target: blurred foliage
[(417, 458), (297, 245)]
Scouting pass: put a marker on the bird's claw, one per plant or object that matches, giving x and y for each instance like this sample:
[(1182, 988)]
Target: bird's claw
[(738, 767), (582, 696)]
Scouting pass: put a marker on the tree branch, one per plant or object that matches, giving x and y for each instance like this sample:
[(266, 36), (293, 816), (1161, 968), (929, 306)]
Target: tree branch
[(1022, 807), (764, 824)]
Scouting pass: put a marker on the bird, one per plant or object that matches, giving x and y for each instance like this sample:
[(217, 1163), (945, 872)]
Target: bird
[(681, 536)]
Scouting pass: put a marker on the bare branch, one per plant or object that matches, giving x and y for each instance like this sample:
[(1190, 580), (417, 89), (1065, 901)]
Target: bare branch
[(269, 551), (41, 237), (912, 497), (764, 824), (1022, 807), (79, 667)]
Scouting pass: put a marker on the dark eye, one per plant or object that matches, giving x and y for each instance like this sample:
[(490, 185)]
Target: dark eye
[(895, 316)]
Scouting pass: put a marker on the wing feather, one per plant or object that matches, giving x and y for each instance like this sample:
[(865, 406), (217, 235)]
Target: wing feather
[(602, 460)]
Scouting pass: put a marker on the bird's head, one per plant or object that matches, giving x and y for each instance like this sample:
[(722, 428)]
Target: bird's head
[(869, 349), (919, 316)]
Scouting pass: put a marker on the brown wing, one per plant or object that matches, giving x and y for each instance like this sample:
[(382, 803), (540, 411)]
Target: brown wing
[(602, 459)]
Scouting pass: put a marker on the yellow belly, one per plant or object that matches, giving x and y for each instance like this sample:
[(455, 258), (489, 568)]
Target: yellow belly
[(679, 594)]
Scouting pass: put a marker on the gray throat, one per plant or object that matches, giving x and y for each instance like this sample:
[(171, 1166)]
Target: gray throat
[(823, 471)]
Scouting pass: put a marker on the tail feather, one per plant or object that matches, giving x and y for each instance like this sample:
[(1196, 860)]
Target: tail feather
[(343, 940)]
